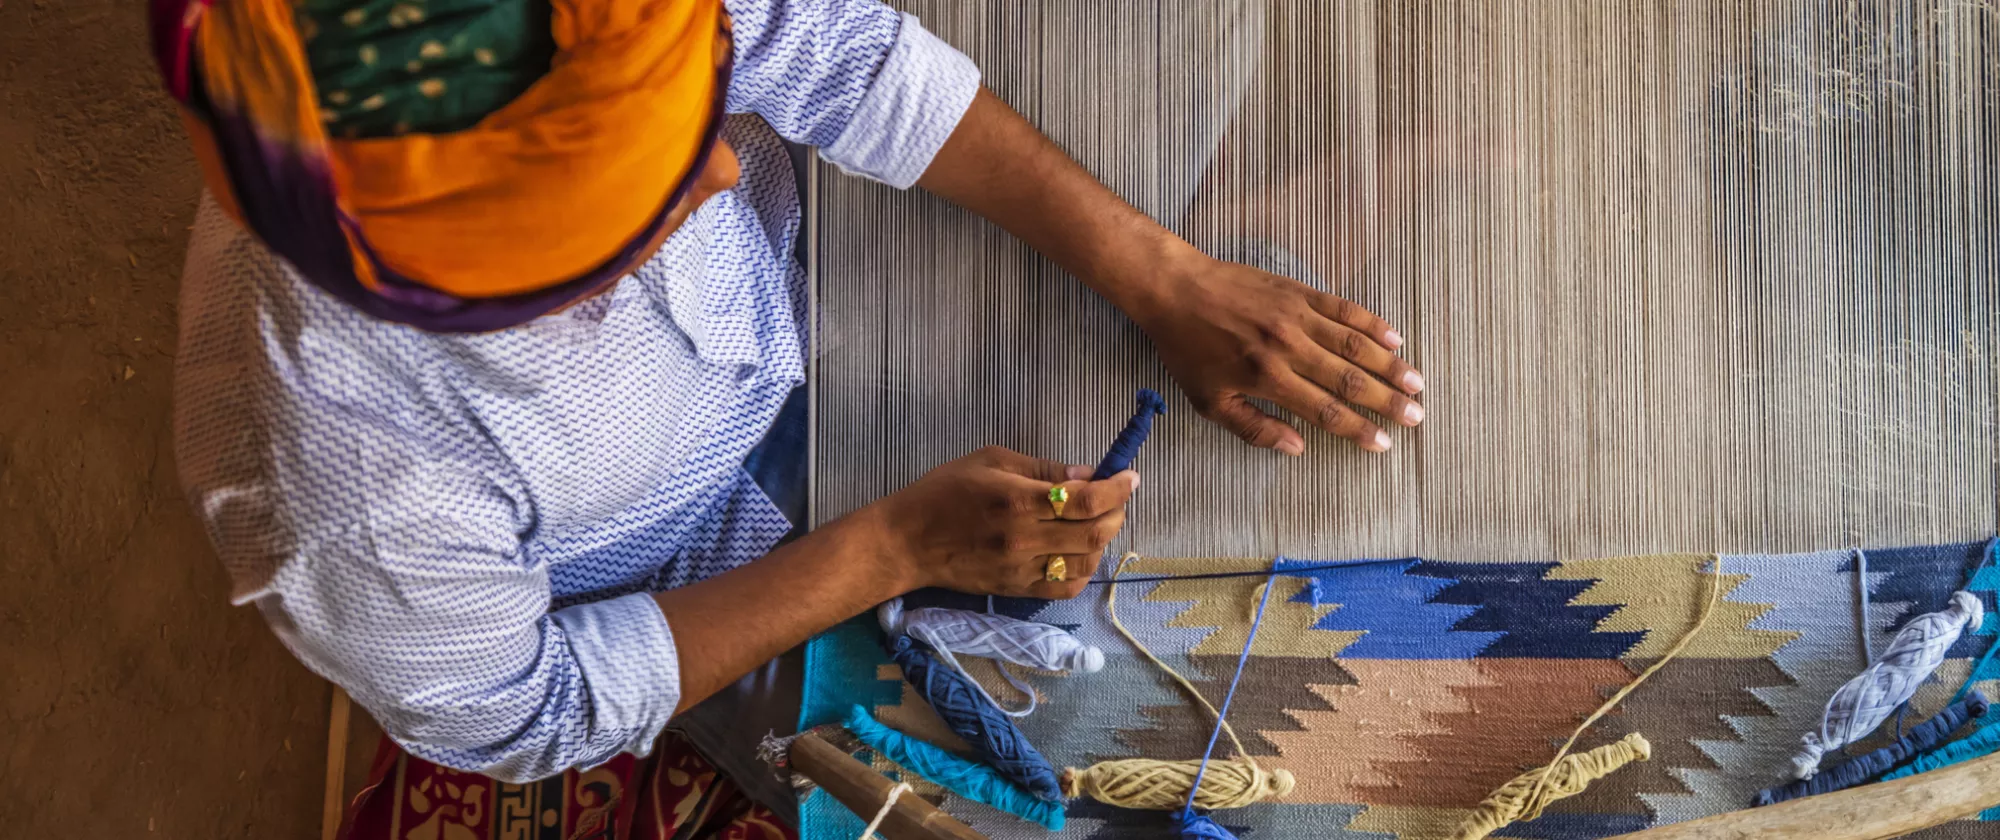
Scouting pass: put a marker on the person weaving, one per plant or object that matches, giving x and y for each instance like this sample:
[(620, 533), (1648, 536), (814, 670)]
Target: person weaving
[(492, 339)]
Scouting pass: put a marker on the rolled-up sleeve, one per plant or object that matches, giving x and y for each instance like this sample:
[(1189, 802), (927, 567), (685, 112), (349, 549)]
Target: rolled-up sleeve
[(875, 91), (437, 627)]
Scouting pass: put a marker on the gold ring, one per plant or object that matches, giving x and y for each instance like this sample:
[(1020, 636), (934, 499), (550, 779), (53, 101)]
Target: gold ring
[(1057, 570), (1058, 497)]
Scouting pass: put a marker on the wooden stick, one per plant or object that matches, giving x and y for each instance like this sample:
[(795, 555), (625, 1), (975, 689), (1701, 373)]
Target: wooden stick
[(862, 790), (336, 767), (1869, 812)]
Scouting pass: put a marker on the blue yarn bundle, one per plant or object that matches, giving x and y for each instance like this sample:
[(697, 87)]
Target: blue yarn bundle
[(1981, 743), (1126, 446), (1847, 774), (969, 779), (965, 711)]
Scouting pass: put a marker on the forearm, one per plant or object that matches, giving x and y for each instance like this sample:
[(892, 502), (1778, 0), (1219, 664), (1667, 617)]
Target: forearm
[(998, 165), (726, 626)]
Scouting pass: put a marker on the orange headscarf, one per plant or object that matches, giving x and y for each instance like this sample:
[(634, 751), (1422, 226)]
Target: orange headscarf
[(541, 202)]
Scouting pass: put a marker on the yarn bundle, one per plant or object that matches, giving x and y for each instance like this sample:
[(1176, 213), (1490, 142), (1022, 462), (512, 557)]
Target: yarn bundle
[(1152, 785), (954, 633), (966, 778), (1922, 738), (962, 706), (1524, 796), (1864, 702)]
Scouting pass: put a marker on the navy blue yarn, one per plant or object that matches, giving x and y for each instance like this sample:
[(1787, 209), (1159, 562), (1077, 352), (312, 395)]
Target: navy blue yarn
[(1126, 446), (971, 718), (1292, 569), (1849, 773)]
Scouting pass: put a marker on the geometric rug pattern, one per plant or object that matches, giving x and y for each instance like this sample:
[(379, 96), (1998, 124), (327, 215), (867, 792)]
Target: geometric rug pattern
[(1400, 693)]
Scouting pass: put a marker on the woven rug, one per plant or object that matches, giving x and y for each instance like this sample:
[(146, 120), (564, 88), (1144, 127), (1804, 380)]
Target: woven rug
[(1411, 689)]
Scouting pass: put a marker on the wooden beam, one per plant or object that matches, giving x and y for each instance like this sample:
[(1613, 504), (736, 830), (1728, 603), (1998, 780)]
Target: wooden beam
[(335, 803), (862, 790), (1869, 812)]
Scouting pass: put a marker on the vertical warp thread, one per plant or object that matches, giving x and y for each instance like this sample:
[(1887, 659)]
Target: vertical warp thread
[(1847, 774), (1125, 446), (1858, 707), (1736, 194), (958, 702), (964, 777)]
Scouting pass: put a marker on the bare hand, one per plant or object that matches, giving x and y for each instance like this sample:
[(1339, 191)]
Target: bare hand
[(983, 524), (1230, 332)]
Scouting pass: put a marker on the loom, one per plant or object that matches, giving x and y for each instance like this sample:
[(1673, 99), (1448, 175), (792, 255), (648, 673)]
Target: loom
[(1716, 275)]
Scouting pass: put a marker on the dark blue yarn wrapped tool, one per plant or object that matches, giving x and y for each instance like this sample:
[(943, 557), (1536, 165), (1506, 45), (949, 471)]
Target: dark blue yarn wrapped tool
[(1126, 446), (971, 718), (1847, 774)]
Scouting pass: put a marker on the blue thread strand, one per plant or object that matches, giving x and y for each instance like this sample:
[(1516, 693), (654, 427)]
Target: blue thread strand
[(1194, 826), (958, 702), (1289, 569), (1862, 597), (1847, 774), (966, 778), (1125, 447), (1992, 550)]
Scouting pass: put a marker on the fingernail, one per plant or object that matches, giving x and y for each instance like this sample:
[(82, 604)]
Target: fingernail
[(1076, 472), (1293, 448), (1135, 482), (1412, 381), (1395, 339), (1379, 442), (1413, 414)]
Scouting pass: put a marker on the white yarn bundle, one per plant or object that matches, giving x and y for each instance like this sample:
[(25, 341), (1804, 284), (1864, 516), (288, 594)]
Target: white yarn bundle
[(962, 632), (1873, 695)]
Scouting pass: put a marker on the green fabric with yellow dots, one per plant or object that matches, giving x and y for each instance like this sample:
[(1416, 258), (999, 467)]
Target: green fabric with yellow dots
[(390, 67)]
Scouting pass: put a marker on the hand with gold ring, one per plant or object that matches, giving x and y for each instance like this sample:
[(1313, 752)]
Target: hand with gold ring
[(997, 522), (1058, 499)]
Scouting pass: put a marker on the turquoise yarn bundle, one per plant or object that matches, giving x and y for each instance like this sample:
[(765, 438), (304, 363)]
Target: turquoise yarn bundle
[(969, 779), (963, 707)]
